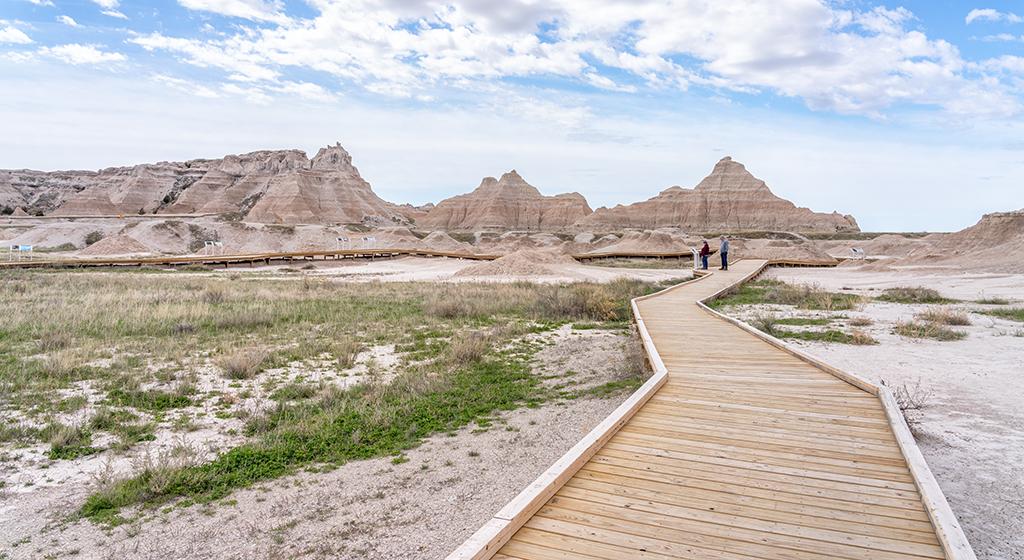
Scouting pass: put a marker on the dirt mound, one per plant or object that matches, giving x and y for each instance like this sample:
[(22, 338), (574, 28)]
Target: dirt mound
[(640, 242), (441, 241), (778, 249), (996, 244), (120, 244), (526, 262)]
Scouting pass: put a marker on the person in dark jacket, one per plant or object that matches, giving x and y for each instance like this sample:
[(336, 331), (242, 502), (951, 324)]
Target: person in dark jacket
[(704, 252), (724, 250)]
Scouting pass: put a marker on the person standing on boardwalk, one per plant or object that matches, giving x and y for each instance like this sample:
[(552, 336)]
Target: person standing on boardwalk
[(724, 250), (704, 252)]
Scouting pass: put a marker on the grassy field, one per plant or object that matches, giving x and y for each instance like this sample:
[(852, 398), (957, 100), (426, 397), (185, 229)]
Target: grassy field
[(642, 263), (135, 342)]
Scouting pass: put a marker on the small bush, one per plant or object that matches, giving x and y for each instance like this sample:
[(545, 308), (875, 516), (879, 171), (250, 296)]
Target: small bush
[(68, 442), (766, 323), (93, 237), (469, 348), (913, 295), (860, 337), (152, 400), (243, 364), (945, 317), (861, 322), (913, 329), (54, 340), (213, 296), (345, 352)]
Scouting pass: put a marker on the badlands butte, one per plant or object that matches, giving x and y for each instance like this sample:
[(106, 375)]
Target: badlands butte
[(282, 200)]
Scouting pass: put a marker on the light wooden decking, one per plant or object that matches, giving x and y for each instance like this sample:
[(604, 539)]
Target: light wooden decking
[(746, 451)]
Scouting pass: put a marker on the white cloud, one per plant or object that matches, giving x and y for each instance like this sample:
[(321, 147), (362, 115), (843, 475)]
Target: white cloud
[(107, 4), (989, 14), (114, 14), (68, 20), (1002, 38), (859, 62), (9, 34), (186, 86), (81, 54), (257, 10), (48, 3)]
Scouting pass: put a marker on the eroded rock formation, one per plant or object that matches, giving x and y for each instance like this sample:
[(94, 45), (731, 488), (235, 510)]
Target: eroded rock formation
[(508, 203), (270, 186), (730, 199)]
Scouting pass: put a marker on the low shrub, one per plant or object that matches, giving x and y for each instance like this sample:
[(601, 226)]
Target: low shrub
[(912, 295)]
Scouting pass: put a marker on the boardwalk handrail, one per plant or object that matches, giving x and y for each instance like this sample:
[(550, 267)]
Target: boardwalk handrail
[(485, 542)]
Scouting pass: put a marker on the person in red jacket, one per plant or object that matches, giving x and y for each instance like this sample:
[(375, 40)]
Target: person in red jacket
[(704, 252)]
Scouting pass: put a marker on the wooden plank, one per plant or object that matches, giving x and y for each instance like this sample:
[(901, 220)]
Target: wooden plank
[(751, 451)]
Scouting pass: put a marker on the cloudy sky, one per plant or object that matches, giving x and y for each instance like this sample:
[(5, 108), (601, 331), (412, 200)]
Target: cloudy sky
[(908, 115)]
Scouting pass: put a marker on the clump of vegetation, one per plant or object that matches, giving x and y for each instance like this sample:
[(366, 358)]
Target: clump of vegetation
[(780, 293), (935, 331), (244, 363), (862, 338), (1014, 314), (93, 237), (914, 295), (152, 400), (910, 399), (667, 263), (68, 442), (861, 322), (993, 301), (945, 316), (338, 426)]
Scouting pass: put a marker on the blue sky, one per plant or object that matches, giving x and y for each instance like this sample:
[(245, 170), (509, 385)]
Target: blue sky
[(907, 115)]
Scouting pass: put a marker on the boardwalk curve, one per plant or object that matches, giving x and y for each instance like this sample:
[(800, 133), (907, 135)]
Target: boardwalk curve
[(737, 448)]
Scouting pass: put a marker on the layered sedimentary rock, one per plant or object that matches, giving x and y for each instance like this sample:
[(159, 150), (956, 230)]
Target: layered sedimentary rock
[(271, 186), (730, 199), (508, 203), (996, 243)]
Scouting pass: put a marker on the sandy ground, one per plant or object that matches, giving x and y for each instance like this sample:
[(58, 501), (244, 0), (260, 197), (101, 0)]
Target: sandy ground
[(419, 269), (952, 283), (375, 509), (971, 430)]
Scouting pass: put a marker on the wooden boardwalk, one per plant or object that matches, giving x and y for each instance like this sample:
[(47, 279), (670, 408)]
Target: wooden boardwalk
[(744, 451)]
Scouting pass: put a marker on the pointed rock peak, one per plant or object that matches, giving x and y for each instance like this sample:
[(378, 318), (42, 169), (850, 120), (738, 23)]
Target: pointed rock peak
[(730, 175), (331, 157)]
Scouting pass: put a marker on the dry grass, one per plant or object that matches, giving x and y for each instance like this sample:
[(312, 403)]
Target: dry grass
[(945, 316), (911, 295), (244, 363), (910, 399), (468, 348), (861, 322), (934, 331), (860, 337)]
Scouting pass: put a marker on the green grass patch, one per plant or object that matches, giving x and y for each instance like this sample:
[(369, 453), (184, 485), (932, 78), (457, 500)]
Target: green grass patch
[(781, 293), (993, 301), (611, 388), (341, 425), (152, 400), (1014, 314), (803, 321), (914, 295), (934, 331)]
